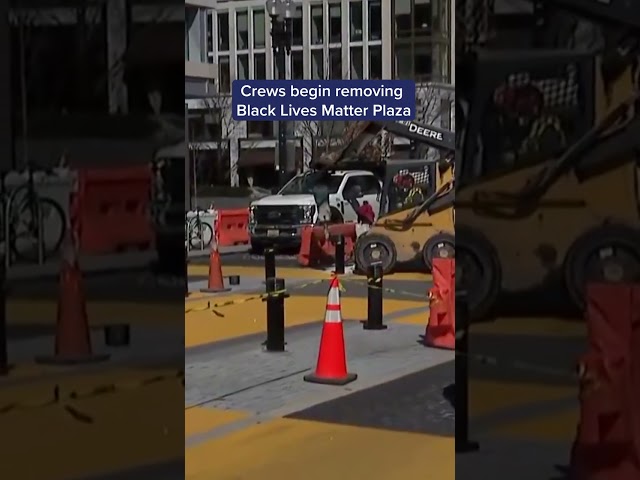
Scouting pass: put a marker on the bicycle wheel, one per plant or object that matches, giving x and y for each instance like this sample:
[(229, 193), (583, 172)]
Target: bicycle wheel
[(201, 235), (24, 228)]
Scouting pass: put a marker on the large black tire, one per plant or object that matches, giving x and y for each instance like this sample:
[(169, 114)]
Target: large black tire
[(478, 271), (373, 247), (604, 254), (52, 214), (257, 248), (441, 245)]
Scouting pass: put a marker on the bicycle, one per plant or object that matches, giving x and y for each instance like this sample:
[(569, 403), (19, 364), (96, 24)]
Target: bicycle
[(30, 217), (198, 234)]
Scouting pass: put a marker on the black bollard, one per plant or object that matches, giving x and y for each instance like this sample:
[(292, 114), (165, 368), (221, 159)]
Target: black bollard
[(269, 264), (463, 444), (186, 273), (4, 360), (375, 312), (275, 314), (234, 280), (340, 255), (117, 335)]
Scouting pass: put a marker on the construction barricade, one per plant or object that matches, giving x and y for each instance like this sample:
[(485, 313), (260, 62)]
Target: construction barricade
[(232, 227), (110, 209), (441, 327), (316, 249), (608, 434)]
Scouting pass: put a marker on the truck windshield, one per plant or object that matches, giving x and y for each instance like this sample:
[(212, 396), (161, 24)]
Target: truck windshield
[(309, 183)]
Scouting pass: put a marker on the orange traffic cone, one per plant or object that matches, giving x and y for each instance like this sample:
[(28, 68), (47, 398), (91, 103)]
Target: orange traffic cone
[(216, 281), (73, 337), (332, 359), (440, 331)]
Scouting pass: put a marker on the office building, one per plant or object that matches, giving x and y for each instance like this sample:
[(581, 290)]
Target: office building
[(331, 39)]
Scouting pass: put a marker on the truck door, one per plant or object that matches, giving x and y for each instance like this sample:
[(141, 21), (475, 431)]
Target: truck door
[(370, 191)]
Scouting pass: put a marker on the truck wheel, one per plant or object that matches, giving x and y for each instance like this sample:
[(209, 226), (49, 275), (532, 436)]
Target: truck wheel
[(478, 271), (606, 254), (372, 248), (441, 245)]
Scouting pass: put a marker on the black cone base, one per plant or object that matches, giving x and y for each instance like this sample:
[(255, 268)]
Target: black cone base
[(313, 378), (214, 290), (72, 360)]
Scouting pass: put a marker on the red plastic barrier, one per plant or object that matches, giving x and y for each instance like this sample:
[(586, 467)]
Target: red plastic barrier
[(233, 227), (605, 447), (441, 327), (110, 211), (316, 250)]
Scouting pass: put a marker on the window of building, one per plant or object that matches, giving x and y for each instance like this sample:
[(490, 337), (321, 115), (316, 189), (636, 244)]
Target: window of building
[(258, 28), (210, 49), (403, 62), (335, 23), (375, 20), (355, 21), (375, 63), (242, 27), (335, 64), (259, 66), (260, 129), (423, 61), (296, 27), (357, 69), (297, 65), (243, 67), (223, 32), (422, 18), (317, 65), (224, 74), (317, 25), (403, 18)]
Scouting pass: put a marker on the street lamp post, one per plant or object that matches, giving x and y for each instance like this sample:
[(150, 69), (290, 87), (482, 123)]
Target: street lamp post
[(281, 13)]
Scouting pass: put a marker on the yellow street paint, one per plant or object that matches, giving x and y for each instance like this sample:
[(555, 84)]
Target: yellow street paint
[(204, 326), (295, 273), (129, 428), (487, 397), (552, 327), (30, 312), (198, 420), (557, 426), (298, 449)]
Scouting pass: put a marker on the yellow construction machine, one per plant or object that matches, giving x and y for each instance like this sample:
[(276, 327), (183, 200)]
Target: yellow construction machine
[(547, 178), (409, 225)]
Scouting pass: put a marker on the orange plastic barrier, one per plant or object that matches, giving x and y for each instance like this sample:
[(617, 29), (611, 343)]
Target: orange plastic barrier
[(232, 227), (110, 210), (606, 444), (316, 250), (441, 328)]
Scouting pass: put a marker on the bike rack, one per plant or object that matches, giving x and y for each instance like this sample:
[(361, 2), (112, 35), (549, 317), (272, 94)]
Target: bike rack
[(7, 230)]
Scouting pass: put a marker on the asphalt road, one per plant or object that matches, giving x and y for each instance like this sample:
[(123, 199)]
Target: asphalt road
[(415, 403)]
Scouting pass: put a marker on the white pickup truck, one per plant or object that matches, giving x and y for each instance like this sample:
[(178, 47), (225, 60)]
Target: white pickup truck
[(278, 219)]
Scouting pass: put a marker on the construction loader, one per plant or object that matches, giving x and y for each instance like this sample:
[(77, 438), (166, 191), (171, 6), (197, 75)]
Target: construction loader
[(405, 230), (547, 178)]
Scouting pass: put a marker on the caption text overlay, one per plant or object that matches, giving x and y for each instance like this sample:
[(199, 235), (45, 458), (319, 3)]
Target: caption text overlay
[(338, 100)]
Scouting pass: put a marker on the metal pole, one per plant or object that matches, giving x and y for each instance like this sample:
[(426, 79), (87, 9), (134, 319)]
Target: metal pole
[(463, 444), (269, 264), (275, 315), (340, 255), (281, 60), (375, 312), (4, 366)]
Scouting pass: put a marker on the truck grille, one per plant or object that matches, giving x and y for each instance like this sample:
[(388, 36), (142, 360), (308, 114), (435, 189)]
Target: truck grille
[(278, 215)]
